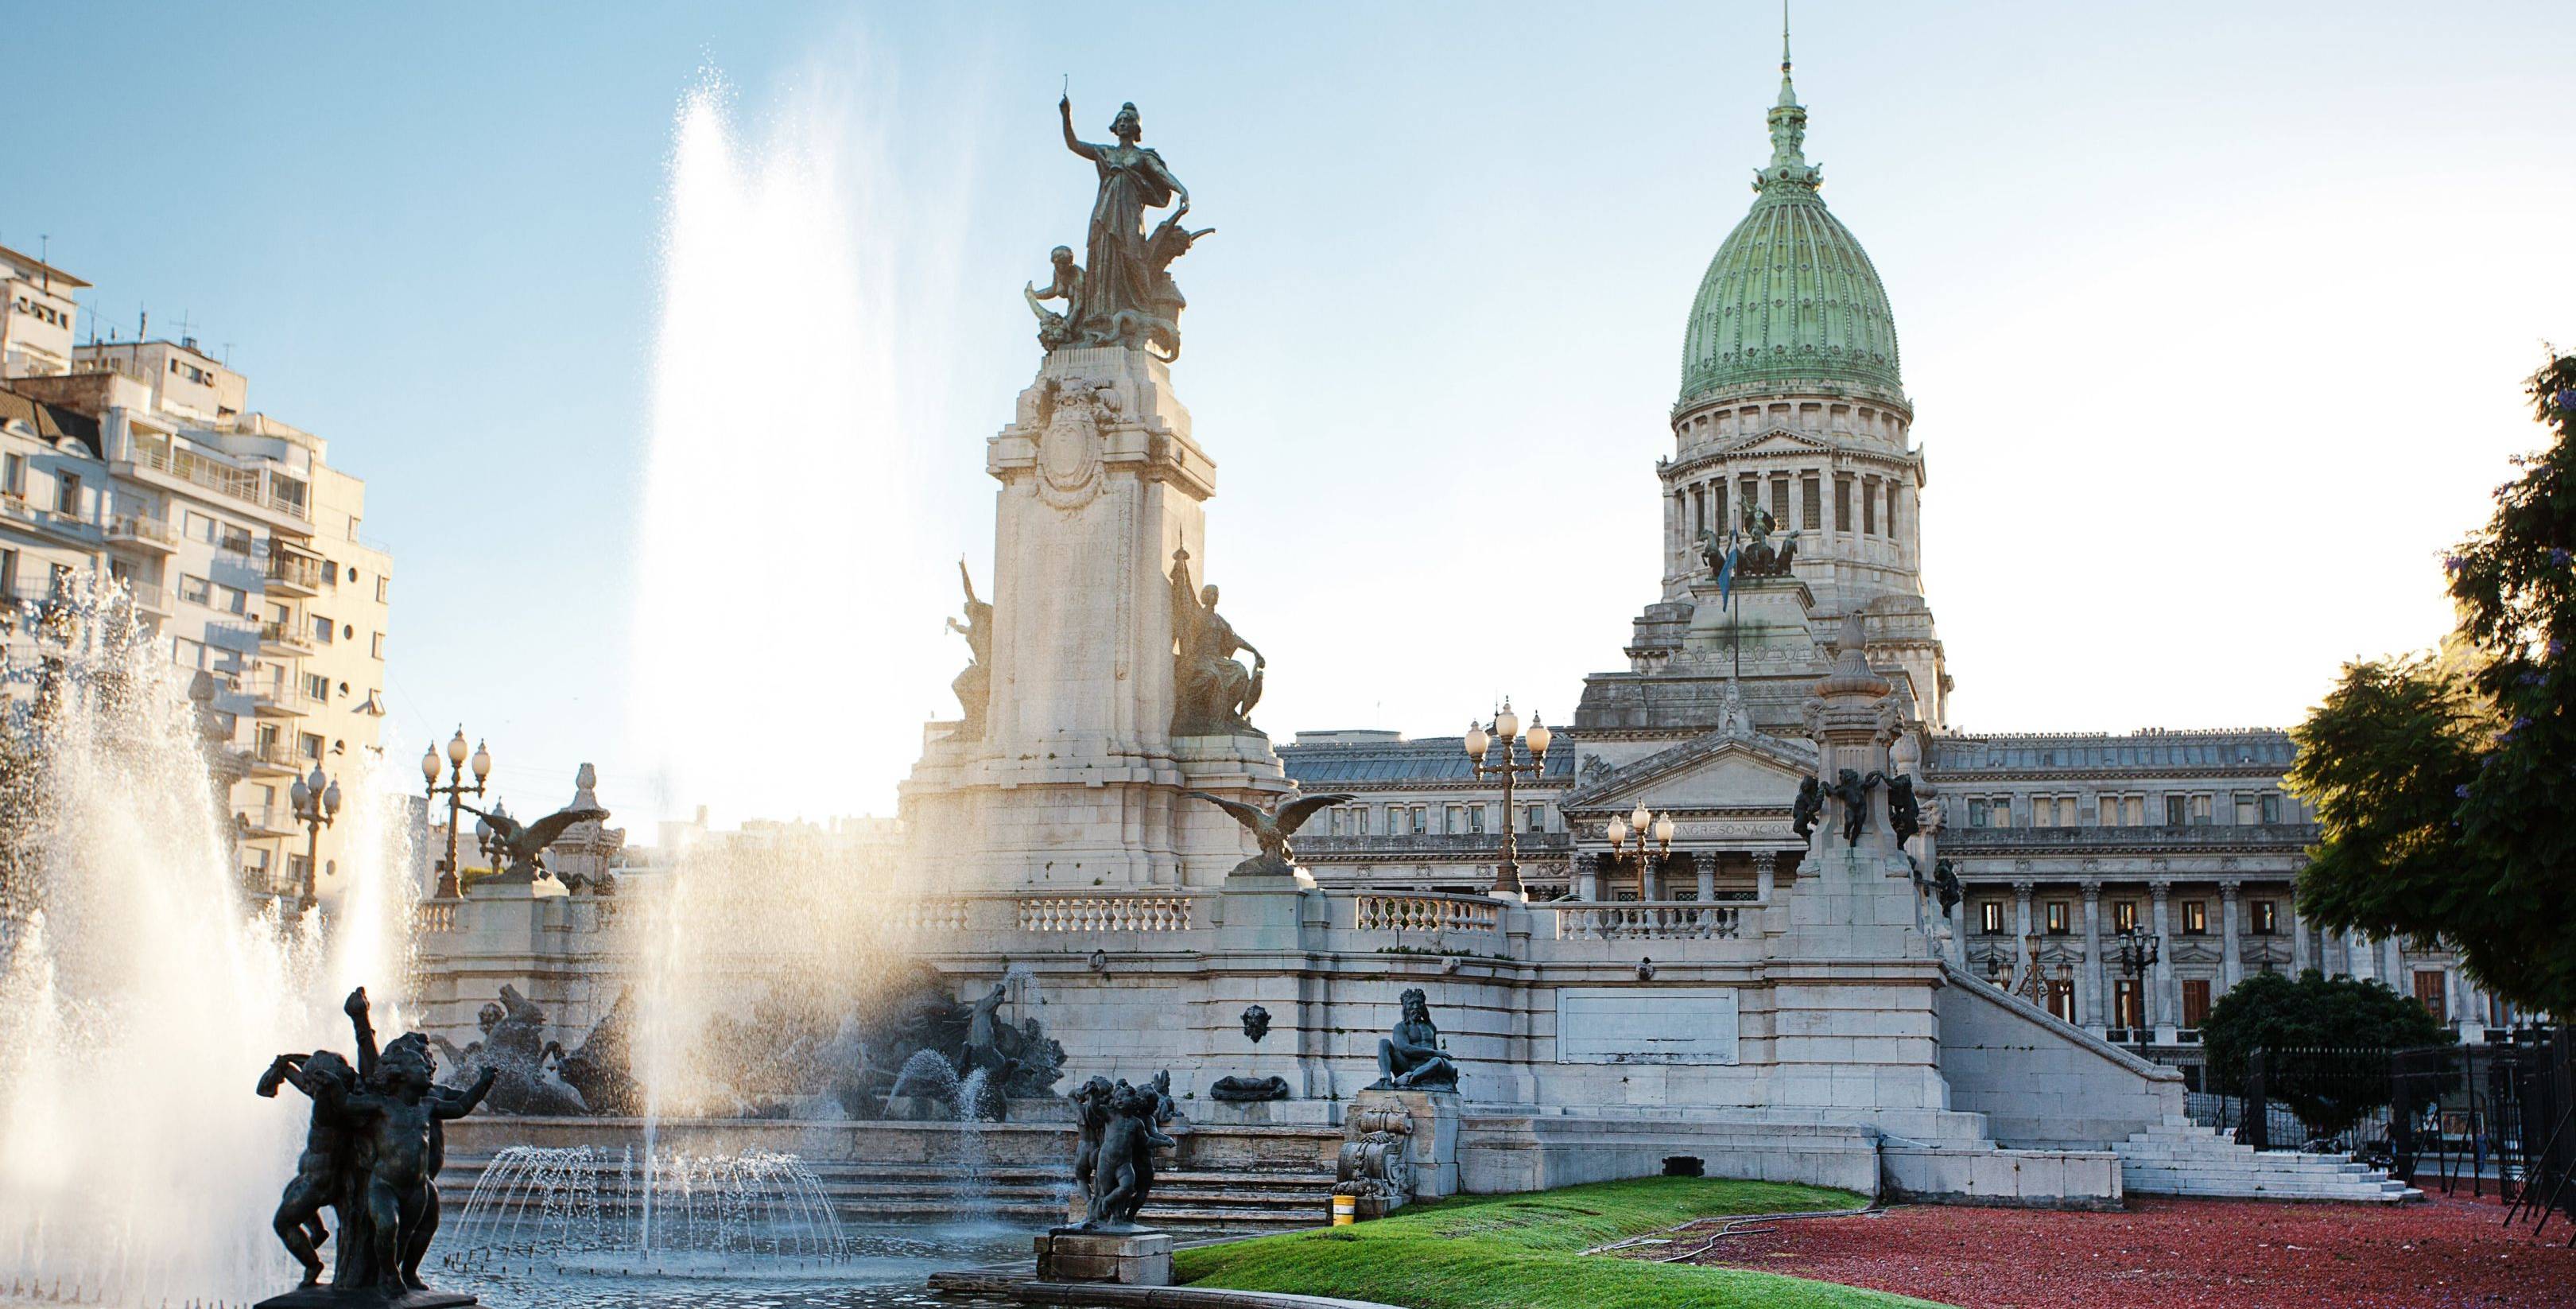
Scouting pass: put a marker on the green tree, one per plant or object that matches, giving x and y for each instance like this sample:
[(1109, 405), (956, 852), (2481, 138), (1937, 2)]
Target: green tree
[(2269, 1011), (2442, 783)]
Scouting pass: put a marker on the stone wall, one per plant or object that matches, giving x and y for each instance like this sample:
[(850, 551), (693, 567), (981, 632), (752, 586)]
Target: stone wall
[(2039, 1081)]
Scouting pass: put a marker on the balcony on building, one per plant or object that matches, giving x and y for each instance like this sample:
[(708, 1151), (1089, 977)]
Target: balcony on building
[(293, 572), (262, 821), (142, 532), (274, 759), (278, 636)]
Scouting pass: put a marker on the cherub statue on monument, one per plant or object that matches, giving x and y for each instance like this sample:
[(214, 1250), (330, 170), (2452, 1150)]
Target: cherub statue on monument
[(1064, 284), (1853, 791), (975, 685), (1212, 692), (1807, 808)]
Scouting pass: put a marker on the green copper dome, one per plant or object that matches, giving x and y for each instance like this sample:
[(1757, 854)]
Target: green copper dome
[(1791, 301)]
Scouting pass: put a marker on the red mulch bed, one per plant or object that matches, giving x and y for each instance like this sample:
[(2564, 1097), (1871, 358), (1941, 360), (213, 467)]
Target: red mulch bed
[(2177, 1254)]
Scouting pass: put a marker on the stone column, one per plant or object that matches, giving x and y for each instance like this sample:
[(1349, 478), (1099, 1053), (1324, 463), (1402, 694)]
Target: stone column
[(1587, 876), (2357, 956), (2021, 933), (2298, 935), (2231, 957), (1766, 874), (2158, 1007), (2093, 984), (1706, 862)]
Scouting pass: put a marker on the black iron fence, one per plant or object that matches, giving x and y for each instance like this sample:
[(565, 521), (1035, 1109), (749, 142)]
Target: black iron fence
[(2489, 1116)]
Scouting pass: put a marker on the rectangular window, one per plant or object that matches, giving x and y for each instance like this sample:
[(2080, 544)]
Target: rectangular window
[(2271, 806), (1891, 510), (2177, 810), (196, 590), (2061, 999), (2124, 915), (2267, 917), (376, 646), (1476, 818), (67, 490), (321, 628), (383, 585), (317, 688), (2433, 994), (186, 653), (13, 476), (2106, 811), (2001, 811), (2200, 811), (1421, 820), (236, 540), (2135, 808), (1698, 510), (1811, 510), (1842, 504), (309, 745), (1534, 819), (1717, 519), (1978, 816), (2125, 1009), (1780, 502), (2195, 1001), (2246, 811), (9, 574), (2195, 918), (2060, 912), (199, 527), (1869, 508), (1991, 917)]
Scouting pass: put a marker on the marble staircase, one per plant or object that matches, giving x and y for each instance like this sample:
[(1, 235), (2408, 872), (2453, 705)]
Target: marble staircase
[(2181, 1157)]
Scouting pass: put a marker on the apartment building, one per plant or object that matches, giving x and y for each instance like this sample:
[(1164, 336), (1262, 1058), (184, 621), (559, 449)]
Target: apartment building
[(241, 545)]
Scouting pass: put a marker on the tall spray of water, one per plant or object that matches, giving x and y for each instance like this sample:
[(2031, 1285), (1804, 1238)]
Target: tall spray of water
[(140, 995), (793, 573)]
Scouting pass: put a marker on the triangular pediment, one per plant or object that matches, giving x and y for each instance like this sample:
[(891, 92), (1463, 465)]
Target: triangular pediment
[(1722, 770), (1774, 439)]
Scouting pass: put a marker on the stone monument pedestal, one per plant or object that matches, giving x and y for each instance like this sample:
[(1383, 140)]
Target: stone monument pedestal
[(1433, 1146), (332, 1297), (1134, 1258)]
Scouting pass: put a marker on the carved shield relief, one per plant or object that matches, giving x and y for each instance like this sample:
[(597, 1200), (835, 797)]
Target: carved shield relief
[(1069, 447)]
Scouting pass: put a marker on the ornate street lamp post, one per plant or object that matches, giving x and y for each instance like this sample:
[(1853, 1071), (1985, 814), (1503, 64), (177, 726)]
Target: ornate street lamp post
[(455, 790), (317, 802), (1645, 827), (1505, 731), (2139, 951)]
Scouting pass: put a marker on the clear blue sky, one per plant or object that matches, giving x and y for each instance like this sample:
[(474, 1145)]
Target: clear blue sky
[(2212, 314)]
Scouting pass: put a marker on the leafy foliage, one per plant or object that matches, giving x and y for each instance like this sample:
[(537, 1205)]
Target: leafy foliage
[(2445, 786), (2269, 1011)]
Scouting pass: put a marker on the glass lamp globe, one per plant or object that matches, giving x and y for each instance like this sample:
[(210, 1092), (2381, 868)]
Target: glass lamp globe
[(482, 760), (331, 799), (456, 747), (1617, 831), (1638, 818), (429, 764), (1663, 829), (1506, 723), (1477, 741), (1539, 736), (299, 795)]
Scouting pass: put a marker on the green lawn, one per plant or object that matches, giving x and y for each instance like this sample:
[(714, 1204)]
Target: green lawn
[(1495, 1252)]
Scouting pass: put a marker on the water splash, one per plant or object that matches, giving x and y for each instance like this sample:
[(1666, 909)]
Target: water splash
[(142, 987), (582, 1209)]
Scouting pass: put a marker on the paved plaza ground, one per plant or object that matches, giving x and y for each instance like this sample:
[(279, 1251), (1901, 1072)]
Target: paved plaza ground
[(2173, 1254)]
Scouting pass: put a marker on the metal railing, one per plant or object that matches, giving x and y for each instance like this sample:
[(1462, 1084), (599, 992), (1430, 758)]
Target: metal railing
[(274, 632), (249, 485), (141, 527), (295, 570), (1620, 920)]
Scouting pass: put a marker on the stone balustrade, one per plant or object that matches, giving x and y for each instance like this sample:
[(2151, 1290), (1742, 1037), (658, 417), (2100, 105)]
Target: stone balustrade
[(433, 916), (1105, 913), (1601, 920), (941, 914), (1426, 913)]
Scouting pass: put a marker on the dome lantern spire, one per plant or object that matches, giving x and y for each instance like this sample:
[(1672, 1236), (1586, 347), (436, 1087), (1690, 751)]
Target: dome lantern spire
[(1789, 167)]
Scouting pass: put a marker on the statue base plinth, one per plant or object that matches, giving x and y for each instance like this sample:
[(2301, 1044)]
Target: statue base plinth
[(1131, 1258), (1432, 1148), (333, 1297)]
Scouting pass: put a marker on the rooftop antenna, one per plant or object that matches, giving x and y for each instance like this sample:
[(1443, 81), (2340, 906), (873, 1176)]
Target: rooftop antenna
[(228, 354), (45, 260)]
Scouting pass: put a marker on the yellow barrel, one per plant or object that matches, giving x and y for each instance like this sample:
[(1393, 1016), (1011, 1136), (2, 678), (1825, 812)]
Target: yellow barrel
[(1345, 1210)]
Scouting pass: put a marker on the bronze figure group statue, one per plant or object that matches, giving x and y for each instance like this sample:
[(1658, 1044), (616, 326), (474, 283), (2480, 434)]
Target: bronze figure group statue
[(974, 687), (1754, 554), (1124, 294), (1410, 1058), (371, 1155), (1118, 1127), (1212, 692)]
